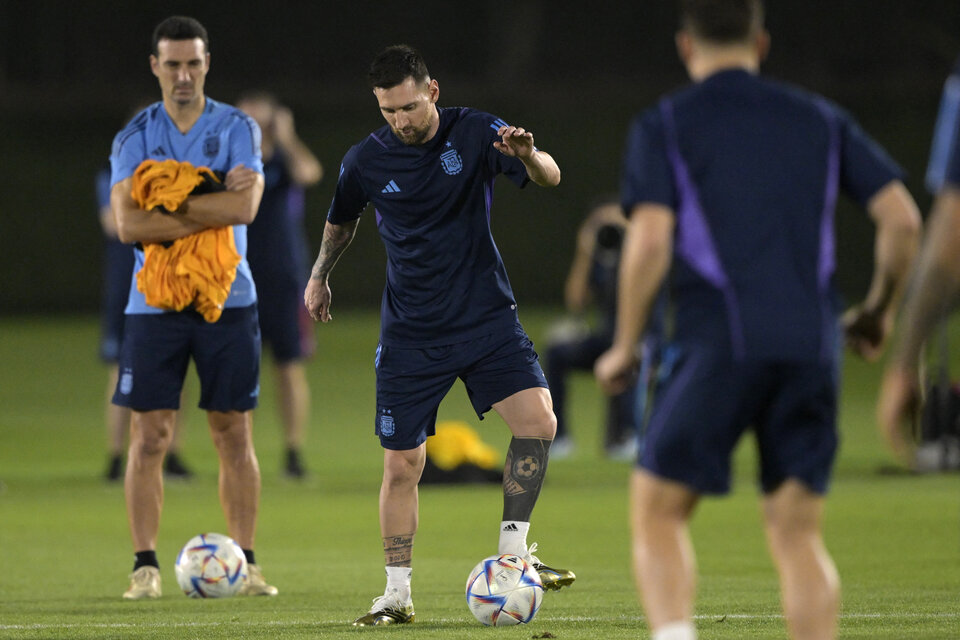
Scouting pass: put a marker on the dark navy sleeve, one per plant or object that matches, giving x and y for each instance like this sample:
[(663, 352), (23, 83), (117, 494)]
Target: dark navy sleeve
[(646, 175), (865, 167), (349, 199), (498, 163)]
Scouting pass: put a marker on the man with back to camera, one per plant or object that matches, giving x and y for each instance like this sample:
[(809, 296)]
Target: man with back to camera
[(188, 126), (448, 310), (731, 185)]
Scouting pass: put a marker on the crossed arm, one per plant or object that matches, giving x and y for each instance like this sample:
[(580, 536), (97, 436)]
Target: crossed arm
[(237, 205)]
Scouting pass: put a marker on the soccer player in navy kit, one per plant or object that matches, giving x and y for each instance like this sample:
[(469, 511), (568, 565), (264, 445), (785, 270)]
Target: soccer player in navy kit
[(278, 255), (157, 345), (730, 185), (448, 310), (935, 284)]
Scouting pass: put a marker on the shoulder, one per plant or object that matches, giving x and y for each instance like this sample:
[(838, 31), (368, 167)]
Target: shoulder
[(468, 117), (137, 125), (231, 117)]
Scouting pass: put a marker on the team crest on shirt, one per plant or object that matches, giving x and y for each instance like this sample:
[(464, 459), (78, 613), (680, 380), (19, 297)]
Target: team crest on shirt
[(451, 162), (211, 146)]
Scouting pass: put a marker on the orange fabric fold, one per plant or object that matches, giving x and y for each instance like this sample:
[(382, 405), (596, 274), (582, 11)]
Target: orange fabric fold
[(198, 269)]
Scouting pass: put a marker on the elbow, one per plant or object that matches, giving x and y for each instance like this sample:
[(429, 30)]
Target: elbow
[(125, 231)]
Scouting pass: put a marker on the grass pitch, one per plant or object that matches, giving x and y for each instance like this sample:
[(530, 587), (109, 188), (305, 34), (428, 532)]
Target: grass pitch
[(65, 550)]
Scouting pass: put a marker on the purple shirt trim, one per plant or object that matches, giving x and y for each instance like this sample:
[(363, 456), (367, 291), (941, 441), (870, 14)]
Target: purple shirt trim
[(827, 261), (694, 242)]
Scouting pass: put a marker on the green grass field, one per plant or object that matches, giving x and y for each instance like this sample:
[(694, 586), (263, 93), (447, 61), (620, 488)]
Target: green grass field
[(65, 552)]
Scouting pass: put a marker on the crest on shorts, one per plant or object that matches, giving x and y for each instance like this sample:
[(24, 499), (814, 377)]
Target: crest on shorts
[(211, 146), (451, 162), (387, 426), (126, 382)]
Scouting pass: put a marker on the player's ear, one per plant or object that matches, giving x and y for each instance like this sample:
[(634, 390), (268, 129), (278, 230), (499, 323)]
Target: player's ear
[(684, 46), (434, 88), (763, 44), (154, 65)]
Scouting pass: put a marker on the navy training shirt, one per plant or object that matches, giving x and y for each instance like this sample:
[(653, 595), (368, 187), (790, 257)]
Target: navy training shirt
[(751, 168), (446, 282), (276, 244)]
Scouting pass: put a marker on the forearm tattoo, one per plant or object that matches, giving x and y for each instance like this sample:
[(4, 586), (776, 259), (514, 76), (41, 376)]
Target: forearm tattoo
[(523, 476), (336, 239), (398, 550)]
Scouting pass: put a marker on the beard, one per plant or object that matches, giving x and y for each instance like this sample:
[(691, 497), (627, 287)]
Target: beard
[(415, 135)]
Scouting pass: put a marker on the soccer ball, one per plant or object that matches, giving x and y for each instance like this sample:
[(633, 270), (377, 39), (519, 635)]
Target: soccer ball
[(211, 565), (504, 590)]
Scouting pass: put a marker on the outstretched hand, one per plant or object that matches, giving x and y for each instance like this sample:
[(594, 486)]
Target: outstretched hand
[(515, 142)]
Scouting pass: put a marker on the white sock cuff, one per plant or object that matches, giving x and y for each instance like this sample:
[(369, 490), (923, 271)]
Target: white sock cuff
[(399, 577), (682, 630), (513, 537)]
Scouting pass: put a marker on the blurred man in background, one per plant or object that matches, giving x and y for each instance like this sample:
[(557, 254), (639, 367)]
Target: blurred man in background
[(575, 345), (932, 294), (731, 185), (278, 254)]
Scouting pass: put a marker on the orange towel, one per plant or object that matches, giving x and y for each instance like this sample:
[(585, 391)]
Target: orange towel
[(198, 269)]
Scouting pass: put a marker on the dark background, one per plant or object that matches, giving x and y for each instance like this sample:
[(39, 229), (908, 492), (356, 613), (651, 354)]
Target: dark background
[(571, 72)]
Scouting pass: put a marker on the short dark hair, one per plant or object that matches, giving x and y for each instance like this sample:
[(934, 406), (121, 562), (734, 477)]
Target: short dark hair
[(721, 21), (395, 64), (180, 28)]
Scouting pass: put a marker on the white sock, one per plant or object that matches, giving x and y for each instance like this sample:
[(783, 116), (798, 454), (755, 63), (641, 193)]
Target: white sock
[(398, 579), (676, 631), (513, 537)]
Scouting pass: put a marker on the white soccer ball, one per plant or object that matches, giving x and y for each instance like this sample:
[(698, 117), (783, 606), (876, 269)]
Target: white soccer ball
[(211, 565), (504, 590)]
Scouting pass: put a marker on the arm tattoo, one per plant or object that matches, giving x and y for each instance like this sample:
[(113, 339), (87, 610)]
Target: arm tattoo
[(398, 550), (336, 239)]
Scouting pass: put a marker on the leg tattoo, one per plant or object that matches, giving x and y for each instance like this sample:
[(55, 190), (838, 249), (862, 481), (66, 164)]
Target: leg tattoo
[(398, 550), (523, 476)]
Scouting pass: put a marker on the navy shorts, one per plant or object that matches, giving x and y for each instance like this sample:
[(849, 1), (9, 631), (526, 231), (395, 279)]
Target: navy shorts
[(412, 382), (158, 347), (707, 401), (285, 325)]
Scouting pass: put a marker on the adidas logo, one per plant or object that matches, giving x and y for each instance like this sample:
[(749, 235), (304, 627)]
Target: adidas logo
[(159, 151), (391, 188), (510, 527)]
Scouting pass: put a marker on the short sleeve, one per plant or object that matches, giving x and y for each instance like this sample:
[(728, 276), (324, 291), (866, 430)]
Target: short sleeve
[(646, 176), (498, 163), (244, 140), (350, 198), (865, 167), (126, 154)]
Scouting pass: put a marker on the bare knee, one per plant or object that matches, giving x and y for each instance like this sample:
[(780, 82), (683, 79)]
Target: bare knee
[(151, 433), (232, 433), (402, 469)]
